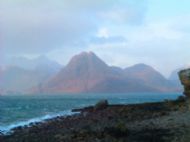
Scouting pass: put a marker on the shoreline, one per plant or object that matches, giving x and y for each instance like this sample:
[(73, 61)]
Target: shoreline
[(8, 128), (160, 121)]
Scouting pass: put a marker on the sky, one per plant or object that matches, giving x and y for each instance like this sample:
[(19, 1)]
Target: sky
[(121, 32)]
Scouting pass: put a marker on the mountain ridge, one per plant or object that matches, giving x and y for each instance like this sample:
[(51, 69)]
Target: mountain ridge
[(87, 73), (84, 73)]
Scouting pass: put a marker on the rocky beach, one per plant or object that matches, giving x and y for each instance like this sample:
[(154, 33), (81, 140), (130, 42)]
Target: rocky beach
[(149, 122)]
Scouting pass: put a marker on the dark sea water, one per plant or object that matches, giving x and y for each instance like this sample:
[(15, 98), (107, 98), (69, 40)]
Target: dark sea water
[(22, 110)]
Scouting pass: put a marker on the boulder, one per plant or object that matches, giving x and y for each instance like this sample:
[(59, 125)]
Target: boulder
[(101, 105), (184, 76)]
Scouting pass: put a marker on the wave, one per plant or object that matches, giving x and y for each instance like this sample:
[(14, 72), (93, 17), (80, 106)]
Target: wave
[(7, 129)]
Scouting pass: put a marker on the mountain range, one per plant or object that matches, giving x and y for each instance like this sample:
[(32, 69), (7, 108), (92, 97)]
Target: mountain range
[(85, 73)]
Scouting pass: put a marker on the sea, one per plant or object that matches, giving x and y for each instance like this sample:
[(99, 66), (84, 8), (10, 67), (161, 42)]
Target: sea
[(22, 110)]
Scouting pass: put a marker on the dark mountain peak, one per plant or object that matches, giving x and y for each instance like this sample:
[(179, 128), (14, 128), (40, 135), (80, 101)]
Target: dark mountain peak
[(149, 76), (141, 66), (143, 70), (85, 55), (86, 59), (82, 73)]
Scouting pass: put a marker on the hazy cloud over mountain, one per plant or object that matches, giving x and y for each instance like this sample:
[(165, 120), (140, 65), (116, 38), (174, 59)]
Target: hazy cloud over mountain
[(122, 32), (41, 26)]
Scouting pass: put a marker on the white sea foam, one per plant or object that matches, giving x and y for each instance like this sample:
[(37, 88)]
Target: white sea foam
[(8, 128)]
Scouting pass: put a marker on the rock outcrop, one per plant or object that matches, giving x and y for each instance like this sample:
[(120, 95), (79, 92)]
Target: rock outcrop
[(101, 105), (184, 76)]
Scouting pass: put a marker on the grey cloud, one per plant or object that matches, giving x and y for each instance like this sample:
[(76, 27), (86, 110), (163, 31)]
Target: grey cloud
[(41, 32), (39, 26)]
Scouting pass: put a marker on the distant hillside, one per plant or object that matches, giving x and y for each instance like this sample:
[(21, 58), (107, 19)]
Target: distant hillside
[(150, 77), (89, 74), (21, 78)]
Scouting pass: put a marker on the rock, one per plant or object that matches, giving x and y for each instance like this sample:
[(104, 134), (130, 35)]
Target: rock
[(101, 105), (184, 76), (181, 99)]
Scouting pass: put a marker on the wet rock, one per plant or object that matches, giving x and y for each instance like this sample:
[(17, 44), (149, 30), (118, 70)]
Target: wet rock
[(85, 109), (101, 105), (184, 76)]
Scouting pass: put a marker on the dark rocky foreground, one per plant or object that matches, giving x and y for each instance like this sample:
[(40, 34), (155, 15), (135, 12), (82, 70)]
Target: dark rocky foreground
[(167, 121)]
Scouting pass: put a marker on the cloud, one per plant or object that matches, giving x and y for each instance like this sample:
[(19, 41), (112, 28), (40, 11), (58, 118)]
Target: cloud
[(41, 26), (122, 32), (36, 30), (163, 45)]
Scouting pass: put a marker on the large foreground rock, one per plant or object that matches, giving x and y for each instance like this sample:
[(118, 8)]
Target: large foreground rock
[(101, 105), (184, 76)]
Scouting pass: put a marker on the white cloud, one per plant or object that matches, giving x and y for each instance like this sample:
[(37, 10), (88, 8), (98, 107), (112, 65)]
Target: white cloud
[(103, 33)]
